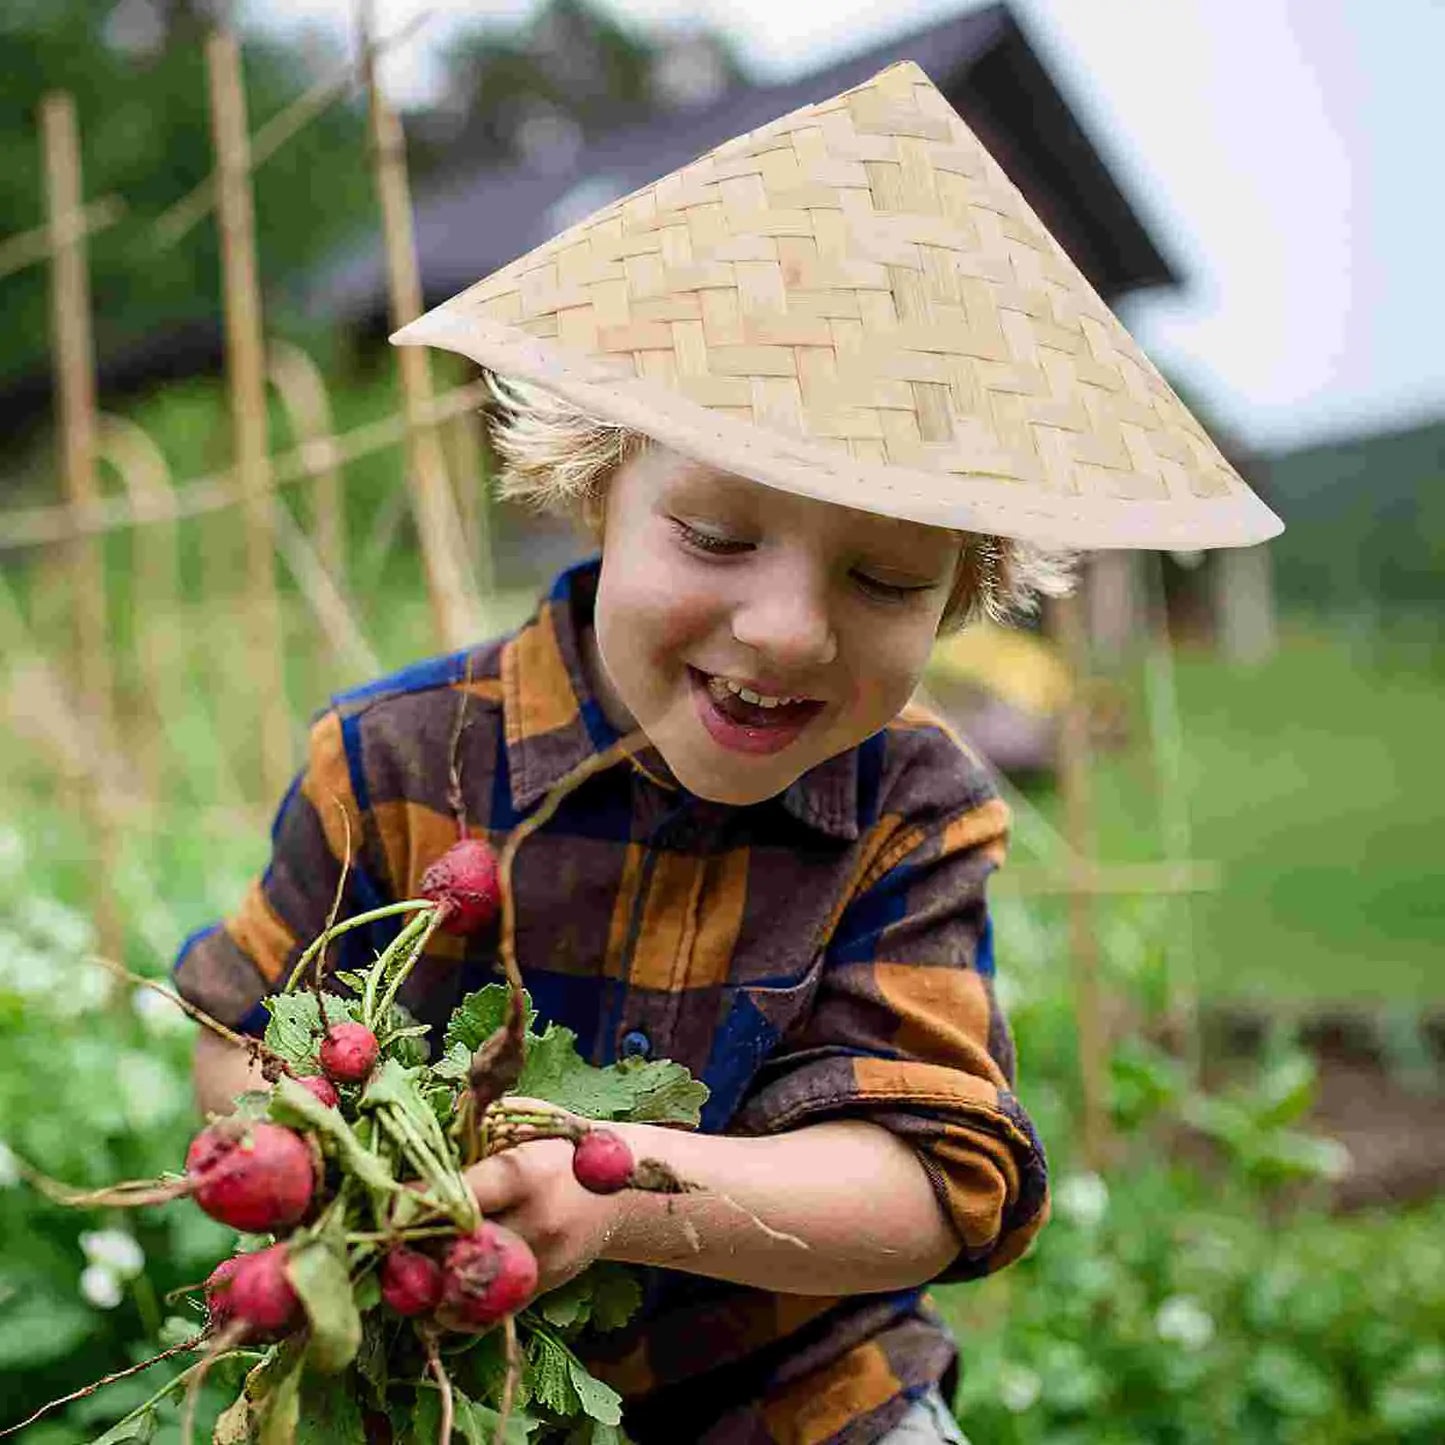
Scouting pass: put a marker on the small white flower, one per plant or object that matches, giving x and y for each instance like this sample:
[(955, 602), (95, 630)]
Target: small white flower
[(1019, 1388), (1185, 1321), (1082, 1199), (12, 853), (9, 1167), (65, 929), (101, 1287), (114, 1250)]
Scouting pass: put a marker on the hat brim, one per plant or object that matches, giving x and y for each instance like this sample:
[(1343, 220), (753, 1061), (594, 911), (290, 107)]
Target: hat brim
[(976, 493)]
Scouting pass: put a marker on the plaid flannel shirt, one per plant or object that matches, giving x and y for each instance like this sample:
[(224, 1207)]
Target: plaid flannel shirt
[(823, 954)]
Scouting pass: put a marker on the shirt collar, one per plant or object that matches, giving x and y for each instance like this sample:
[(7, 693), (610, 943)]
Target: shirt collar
[(553, 722)]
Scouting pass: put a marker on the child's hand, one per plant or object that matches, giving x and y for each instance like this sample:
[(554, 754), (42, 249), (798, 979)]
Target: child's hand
[(531, 1189)]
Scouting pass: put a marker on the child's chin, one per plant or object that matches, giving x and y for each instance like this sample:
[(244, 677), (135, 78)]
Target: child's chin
[(739, 786)]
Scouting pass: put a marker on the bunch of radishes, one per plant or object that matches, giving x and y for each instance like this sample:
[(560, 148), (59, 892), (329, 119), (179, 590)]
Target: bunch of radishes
[(350, 1175)]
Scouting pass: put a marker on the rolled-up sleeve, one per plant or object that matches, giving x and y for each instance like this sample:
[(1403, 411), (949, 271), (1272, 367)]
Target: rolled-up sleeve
[(906, 1031), (229, 967)]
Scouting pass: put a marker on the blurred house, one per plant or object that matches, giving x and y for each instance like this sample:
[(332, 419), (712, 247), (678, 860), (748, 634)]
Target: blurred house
[(472, 219)]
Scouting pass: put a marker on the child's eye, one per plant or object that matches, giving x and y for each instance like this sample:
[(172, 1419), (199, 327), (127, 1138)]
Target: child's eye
[(706, 541), (890, 591)]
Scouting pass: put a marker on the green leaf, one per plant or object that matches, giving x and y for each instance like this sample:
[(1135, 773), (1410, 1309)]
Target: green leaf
[(605, 1295), (330, 1413), (569, 1305), (481, 1368), (455, 1064), (616, 1294), (664, 1092), (477, 1423), (292, 1104), (367, 1292), (549, 1375), (275, 1387), (317, 1269), (478, 1016), (294, 1030), (598, 1400), (371, 1358), (593, 1432), (137, 1429), (425, 1421), (658, 1092)]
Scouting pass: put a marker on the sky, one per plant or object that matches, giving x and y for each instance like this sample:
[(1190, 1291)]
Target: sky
[(1277, 150)]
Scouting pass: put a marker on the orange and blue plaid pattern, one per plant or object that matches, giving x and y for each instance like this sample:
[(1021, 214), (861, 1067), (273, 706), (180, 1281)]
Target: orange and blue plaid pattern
[(823, 954)]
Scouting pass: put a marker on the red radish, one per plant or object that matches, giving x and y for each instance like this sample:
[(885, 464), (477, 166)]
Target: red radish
[(488, 1275), (261, 1294), (348, 1053), (257, 1177), (220, 1308), (411, 1282), (465, 882), (320, 1087), (602, 1162)]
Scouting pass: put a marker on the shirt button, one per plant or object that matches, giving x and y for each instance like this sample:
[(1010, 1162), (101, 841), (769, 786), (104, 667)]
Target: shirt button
[(635, 1045)]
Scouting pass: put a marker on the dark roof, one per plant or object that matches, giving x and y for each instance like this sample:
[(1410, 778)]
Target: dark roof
[(982, 61)]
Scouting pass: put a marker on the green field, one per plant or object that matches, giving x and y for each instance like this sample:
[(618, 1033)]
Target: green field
[(1315, 781)]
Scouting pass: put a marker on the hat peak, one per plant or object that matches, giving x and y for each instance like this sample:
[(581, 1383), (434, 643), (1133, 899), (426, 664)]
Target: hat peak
[(855, 302)]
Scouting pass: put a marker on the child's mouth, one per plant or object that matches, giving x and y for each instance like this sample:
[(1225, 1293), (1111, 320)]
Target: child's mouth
[(748, 727)]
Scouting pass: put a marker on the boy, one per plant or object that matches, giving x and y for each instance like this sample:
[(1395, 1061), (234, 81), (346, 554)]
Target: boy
[(818, 395)]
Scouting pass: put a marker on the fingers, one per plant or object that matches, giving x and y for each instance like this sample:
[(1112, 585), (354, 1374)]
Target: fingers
[(499, 1183)]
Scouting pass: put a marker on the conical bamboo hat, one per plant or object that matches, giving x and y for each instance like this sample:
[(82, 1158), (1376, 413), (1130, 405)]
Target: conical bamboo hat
[(854, 303)]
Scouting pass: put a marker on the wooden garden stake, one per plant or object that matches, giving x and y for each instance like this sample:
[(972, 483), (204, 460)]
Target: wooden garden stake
[(1166, 740), (75, 422), (470, 465), (246, 372), (1078, 819), (75, 399), (301, 389), (155, 570), (449, 584)]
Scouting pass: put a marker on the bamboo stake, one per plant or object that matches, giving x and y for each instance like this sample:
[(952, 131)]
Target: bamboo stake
[(75, 419), (245, 365), (30, 248), (178, 219), (215, 491), (455, 606), (1166, 737), (1078, 819), (469, 465), (165, 659), (298, 382), (75, 398), (338, 625), (155, 599)]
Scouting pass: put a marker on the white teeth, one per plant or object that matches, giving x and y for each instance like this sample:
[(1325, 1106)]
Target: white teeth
[(722, 684)]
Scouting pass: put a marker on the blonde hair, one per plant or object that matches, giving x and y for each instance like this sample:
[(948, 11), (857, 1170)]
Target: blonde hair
[(556, 458)]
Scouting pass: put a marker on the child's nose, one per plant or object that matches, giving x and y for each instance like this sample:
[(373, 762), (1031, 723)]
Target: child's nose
[(785, 619)]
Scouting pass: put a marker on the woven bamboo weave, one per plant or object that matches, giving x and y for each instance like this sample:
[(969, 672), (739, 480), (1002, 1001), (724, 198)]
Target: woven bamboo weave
[(855, 303)]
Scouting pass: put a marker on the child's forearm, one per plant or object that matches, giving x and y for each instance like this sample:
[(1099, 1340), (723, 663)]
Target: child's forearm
[(854, 1198), (219, 1072)]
